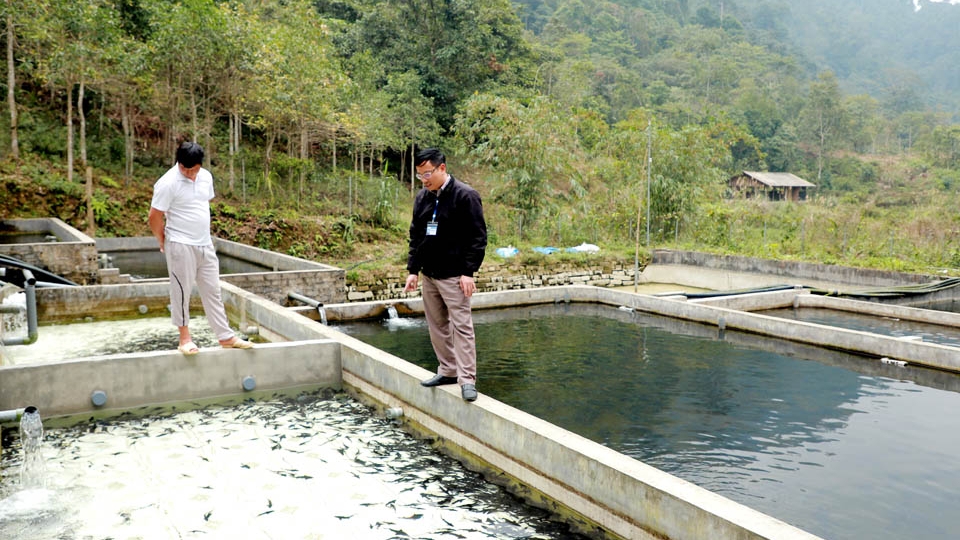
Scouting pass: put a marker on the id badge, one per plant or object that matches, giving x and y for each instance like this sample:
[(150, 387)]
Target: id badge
[(431, 228)]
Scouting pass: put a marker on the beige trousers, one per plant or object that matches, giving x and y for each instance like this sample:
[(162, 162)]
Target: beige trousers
[(196, 265), (450, 323)]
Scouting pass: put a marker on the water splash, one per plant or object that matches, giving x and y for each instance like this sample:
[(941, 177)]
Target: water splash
[(392, 312), (31, 440), (15, 324), (323, 315)]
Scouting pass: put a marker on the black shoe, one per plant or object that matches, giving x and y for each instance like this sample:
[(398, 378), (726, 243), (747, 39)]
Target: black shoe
[(469, 392), (437, 380)]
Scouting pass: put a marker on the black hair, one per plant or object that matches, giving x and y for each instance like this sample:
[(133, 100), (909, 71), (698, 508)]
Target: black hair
[(434, 156), (189, 154)]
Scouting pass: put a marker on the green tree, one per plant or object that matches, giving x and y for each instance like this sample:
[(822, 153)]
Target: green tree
[(188, 53), (412, 118), (69, 38), (529, 146), (457, 48), (942, 146), (823, 120)]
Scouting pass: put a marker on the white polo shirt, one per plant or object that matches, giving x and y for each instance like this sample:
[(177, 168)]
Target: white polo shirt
[(186, 204)]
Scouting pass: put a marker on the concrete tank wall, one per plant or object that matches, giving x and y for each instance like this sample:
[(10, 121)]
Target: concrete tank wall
[(74, 256), (786, 272), (321, 282), (601, 491)]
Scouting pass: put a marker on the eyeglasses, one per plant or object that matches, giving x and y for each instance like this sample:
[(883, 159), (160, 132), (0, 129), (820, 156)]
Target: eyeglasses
[(427, 175)]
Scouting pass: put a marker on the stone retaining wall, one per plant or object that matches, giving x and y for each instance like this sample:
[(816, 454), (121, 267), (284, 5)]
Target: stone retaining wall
[(502, 276)]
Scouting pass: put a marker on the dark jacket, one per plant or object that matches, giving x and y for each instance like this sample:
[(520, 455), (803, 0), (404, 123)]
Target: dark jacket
[(461, 240)]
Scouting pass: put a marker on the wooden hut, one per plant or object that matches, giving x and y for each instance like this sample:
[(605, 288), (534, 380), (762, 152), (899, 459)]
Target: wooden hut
[(774, 186)]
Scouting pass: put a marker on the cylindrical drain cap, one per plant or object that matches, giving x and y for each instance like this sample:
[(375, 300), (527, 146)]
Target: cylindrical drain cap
[(249, 383), (99, 398)]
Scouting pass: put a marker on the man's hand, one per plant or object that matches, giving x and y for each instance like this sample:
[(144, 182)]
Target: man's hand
[(467, 286), (157, 221), (411, 284)]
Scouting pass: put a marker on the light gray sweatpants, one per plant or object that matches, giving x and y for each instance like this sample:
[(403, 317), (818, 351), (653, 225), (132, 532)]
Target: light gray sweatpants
[(196, 265)]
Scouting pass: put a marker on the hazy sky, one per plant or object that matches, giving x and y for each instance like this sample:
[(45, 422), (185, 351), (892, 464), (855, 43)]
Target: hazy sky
[(916, 3)]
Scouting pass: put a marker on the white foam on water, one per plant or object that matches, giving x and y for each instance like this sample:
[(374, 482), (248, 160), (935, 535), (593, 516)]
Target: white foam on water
[(25, 503), (80, 340), (321, 469), (400, 323)]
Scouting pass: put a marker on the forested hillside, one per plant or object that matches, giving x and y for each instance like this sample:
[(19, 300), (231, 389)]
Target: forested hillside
[(310, 111)]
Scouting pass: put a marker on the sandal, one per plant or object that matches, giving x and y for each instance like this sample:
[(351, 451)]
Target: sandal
[(189, 348), (237, 343)]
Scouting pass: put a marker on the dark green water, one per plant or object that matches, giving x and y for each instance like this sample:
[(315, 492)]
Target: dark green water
[(829, 442), (931, 333), (40, 237), (151, 264)]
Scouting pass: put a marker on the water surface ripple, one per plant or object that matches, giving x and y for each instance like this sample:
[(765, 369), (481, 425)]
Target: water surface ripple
[(839, 446)]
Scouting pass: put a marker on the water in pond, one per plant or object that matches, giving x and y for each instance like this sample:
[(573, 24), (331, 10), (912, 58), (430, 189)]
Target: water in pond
[(840, 452), (151, 264), (27, 237), (931, 333), (80, 340), (312, 466)]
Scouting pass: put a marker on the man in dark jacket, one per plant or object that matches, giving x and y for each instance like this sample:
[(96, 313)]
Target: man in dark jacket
[(448, 238)]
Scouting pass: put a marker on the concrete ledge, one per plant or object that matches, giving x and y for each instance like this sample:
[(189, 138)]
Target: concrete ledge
[(487, 300), (133, 380), (863, 343), (287, 274), (73, 256), (597, 489), (944, 318), (754, 301), (789, 272), (877, 346), (593, 487), (104, 301)]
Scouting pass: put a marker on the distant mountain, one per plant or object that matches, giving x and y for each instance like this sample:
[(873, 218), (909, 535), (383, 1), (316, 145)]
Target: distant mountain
[(903, 52)]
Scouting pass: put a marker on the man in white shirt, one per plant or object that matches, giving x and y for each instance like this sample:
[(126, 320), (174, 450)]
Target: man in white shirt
[(180, 220)]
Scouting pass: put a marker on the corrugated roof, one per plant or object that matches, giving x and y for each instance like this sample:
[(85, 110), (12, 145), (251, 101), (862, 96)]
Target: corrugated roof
[(778, 179)]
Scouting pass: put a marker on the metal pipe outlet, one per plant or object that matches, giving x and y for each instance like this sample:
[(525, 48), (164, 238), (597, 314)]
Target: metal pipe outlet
[(30, 288)]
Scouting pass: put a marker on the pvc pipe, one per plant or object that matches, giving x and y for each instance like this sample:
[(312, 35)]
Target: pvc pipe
[(30, 289), (305, 299), (11, 416), (316, 304)]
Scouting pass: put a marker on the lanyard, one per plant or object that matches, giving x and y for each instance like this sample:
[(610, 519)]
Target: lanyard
[(435, 208)]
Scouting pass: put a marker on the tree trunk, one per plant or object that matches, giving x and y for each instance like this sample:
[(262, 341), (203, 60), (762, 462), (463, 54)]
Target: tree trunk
[(193, 116), (127, 141), (207, 137), (267, 156), (304, 155), (70, 132), (83, 125), (333, 144), (91, 226), (820, 151), (230, 150), (403, 166), (174, 103), (11, 84), (235, 138)]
